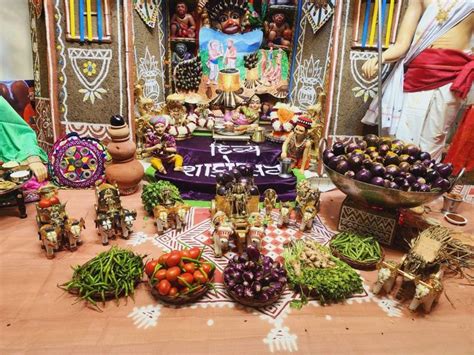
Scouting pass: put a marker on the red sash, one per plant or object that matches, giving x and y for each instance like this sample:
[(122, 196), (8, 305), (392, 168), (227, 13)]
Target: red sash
[(435, 67), (461, 151)]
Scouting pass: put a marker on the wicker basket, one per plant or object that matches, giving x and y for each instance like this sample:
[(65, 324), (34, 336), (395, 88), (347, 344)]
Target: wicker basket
[(252, 302), (181, 299), (359, 265)]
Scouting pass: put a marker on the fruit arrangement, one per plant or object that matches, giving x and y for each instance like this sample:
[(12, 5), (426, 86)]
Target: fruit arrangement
[(388, 163), (242, 174), (110, 274), (358, 251), (313, 271), (254, 279), (180, 276)]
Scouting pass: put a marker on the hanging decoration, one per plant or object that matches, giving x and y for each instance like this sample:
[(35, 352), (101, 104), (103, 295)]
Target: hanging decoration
[(77, 162), (148, 11), (318, 15)]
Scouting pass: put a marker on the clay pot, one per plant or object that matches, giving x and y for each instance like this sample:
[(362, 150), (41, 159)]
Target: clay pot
[(124, 170)]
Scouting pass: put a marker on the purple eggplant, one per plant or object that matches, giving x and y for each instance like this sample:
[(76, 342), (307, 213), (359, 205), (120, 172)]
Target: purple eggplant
[(377, 180), (431, 175), (351, 147), (384, 149), (424, 156), (355, 161), (404, 166), (444, 170), (391, 159), (221, 190), (338, 148), (410, 178), (363, 175), (421, 180), (342, 166), (332, 163), (393, 170), (415, 186), (254, 191), (411, 149), (372, 140), (253, 253), (327, 154), (425, 188), (441, 183), (378, 169), (418, 170), (350, 174), (367, 163)]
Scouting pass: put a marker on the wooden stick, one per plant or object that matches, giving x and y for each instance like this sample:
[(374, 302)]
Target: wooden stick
[(72, 18), (89, 20), (389, 23), (373, 24)]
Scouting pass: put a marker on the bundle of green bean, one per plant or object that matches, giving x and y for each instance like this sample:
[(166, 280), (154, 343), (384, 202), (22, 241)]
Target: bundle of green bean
[(358, 248), (111, 273)]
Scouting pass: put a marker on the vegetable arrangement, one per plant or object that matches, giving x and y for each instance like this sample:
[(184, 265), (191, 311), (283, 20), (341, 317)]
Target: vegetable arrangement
[(388, 163), (356, 248), (180, 274), (254, 279), (313, 271), (152, 194), (112, 273)]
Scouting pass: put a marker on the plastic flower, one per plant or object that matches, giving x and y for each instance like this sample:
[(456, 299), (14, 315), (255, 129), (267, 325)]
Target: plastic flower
[(89, 68)]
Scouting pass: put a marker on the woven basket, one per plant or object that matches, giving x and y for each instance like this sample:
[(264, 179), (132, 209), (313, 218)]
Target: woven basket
[(252, 302), (181, 299), (359, 265)]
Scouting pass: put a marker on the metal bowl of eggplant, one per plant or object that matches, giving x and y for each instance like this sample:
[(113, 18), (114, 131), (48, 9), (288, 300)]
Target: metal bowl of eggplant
[(387, 173)]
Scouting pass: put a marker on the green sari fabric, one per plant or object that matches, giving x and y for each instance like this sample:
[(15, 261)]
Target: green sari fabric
[(17, 139)]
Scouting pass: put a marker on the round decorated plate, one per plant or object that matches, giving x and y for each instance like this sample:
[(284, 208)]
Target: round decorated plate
[(77, 162)]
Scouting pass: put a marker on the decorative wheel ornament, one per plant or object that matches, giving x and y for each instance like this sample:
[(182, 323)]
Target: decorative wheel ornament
[(77, 162)]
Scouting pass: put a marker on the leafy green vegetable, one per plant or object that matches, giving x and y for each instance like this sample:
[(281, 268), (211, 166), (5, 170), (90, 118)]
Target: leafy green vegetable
[(328, 284), (152, 194)]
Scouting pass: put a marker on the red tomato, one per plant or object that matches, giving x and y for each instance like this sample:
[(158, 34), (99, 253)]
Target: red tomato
[(173, 259), (194, 252), (162, 259), (172, 273), (164, 287), (173, 291), (189, 267), (185, 254), (185, 278), (200, 277), (150, 267), (207, 268), (160, 274), (54, 200), (44, 203)]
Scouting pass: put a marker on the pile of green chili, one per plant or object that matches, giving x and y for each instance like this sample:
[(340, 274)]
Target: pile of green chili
[(356, 247), (110, 274)]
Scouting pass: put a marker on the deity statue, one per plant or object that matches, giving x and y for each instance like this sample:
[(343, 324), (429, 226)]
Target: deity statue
[(432, 76), (239, 197), (297, 145), (142, 122), (227, 15), (162, 146), (180, 54), (182, 22), (315, 113), (279, 31)]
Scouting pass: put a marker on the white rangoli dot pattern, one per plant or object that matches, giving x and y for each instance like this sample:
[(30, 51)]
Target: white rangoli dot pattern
[(146, 316)]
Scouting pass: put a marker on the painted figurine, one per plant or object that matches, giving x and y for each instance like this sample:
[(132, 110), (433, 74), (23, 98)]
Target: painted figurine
[(256, 231), (162, 146), (180, 54), (297, 145), (182, 22), (427, 293), (227, 15), (285, 213), (269, 201), (279, 31), (223, 231)]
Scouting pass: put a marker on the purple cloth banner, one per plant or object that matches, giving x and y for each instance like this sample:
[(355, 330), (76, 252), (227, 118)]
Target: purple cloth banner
[(203, 159)]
